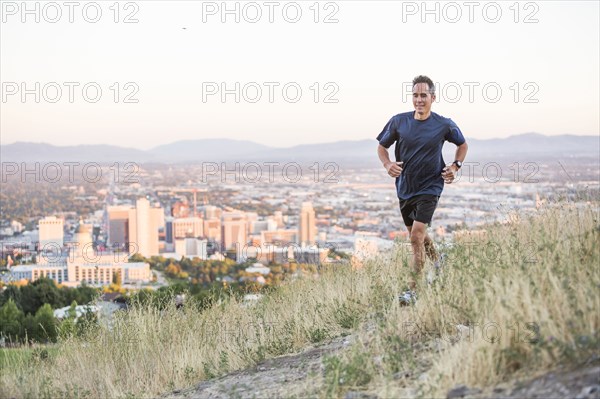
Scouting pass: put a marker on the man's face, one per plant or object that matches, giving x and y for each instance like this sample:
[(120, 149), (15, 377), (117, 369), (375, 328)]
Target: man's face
[(422, 98)]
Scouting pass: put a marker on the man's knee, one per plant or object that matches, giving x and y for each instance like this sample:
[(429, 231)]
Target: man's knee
[(417, 237)]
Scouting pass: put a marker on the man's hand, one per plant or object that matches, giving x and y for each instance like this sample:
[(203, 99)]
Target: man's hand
[(449, 173), (394, 169)]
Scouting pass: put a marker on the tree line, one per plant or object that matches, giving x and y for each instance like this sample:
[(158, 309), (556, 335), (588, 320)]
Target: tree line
[(27, 312)]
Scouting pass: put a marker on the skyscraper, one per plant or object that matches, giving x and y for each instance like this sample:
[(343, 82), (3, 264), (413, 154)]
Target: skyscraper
[(118, 226), (135, 229), (51, 233), (144, 223), (141, 235), (307, 228), (234, 230), (169, 239)]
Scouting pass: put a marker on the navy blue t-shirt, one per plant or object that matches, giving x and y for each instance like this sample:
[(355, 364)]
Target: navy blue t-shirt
[(419, 145)]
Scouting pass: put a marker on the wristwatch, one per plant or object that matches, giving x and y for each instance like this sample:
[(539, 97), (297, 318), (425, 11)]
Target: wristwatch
[(457, 163)]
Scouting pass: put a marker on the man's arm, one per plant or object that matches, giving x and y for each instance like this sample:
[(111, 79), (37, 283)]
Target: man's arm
[(394, 169), (460, 155)]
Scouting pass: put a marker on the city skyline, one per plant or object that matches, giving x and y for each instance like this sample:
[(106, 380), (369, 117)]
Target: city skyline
[(134, 230)]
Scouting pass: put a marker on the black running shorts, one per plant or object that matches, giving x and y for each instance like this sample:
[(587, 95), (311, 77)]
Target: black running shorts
[(419, 208)]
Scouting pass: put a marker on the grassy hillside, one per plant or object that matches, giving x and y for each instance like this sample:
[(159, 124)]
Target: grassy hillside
[(521, 299)]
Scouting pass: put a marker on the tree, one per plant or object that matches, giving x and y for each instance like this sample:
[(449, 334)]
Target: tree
[(173, 270), (67, 325), (183, 275), (10, 321), (41, 291), (48, 292), (83, 294), (30, 302), (46, 325), (29, 328), (11, 292), (137, 258)]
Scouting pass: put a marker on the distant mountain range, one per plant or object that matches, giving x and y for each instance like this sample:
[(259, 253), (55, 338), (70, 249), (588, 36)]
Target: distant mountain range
[(532, 146)]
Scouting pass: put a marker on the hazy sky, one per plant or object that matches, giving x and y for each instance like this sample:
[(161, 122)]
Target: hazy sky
[(543, 56)]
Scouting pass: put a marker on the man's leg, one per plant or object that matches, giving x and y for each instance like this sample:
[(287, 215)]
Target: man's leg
[(418, 212), (418, 232), (429, 246)]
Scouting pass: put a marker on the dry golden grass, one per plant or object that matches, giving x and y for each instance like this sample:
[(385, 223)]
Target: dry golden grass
[(527, 299), (528, 296)]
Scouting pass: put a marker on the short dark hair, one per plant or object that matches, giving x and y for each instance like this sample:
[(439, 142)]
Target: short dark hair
[(424, 79)]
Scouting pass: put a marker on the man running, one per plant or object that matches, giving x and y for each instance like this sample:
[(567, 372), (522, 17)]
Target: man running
[(419, 169)]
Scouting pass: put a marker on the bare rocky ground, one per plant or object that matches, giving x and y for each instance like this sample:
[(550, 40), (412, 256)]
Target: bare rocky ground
[(580, 383), (295, 376), (283, 376)]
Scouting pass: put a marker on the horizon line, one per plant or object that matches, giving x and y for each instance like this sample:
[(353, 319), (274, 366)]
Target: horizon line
[(273, 146)]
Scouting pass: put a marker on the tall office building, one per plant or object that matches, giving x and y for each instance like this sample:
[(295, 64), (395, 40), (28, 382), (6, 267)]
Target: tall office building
[(135, 229), (169, 230), (141, 235), (235, 230), (307, 228), (51, 233), (118, 226), (144, 222)]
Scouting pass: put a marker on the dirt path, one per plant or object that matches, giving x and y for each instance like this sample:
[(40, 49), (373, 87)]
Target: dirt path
[(579, 383), (290, 376), (283, 376)]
